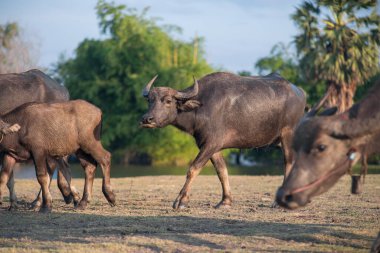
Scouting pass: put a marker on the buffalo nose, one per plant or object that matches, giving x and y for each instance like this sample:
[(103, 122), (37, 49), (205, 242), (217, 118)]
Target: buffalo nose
[(147, 119), (283, 198)]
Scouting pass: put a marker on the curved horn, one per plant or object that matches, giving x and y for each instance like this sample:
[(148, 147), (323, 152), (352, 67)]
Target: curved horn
[(146, 90), (189, 93), (318, 106)]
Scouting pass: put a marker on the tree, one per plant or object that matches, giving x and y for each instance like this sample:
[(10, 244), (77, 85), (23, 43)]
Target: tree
[(338, 44), (112, 72), (281, 61), (16, 53)]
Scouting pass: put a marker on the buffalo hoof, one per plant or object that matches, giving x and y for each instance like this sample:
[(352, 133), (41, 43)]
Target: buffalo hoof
[(110, 196), (76, 199), (76, 202), (180, 205), (13, 207), (35, 205), (223, 205), (45, 209), (82, 205), (274, 205), (113, 203)]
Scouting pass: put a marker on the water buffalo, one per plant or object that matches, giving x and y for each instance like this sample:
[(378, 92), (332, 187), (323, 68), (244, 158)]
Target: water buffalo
[(326, 147), (223, 110), (40, 131), (20, 88)]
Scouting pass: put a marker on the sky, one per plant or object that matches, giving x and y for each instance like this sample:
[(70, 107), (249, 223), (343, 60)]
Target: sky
[(237, 32)]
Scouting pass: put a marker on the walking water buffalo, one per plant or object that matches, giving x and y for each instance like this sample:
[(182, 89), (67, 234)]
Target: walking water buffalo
[(224, 110), (40, 131), (326, 147), (20, 88)]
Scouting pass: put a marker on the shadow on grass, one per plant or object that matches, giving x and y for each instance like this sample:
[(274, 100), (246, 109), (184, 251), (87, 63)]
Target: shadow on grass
[(78, 227)]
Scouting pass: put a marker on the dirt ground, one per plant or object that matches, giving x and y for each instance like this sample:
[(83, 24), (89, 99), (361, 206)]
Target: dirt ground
[(143, 220)]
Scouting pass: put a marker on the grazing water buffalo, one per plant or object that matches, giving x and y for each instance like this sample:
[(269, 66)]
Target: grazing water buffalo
[(326, 147), (40, 131), (224, 111), (21, 88)]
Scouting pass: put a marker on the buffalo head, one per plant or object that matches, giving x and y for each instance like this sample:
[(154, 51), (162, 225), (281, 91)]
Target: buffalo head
[(325, 148), (165, 103)]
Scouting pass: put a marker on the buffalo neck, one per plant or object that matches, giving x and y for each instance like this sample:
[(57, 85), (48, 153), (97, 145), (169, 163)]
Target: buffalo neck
[(185, 121)]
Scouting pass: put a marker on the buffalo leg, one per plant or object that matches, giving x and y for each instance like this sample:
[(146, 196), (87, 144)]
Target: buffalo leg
[(89, 166), (221, 169), (64, 187), (6, 178), (286, 142), (43, 178), (69, 192), (183, 197), (37, 202), (12, 193), (103, 158)]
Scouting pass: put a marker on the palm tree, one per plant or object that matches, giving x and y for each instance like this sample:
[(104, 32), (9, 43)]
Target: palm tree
[(7, 32), (338, 44)]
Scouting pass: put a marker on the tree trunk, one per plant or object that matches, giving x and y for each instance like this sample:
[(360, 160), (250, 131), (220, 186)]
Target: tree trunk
[(341, 96)]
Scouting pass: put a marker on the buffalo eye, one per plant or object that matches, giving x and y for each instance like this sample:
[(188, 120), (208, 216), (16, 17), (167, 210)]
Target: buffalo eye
[(321, 147), (168, 101)]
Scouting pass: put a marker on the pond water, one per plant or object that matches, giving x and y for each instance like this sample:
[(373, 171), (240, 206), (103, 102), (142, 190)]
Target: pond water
[(27, 171)]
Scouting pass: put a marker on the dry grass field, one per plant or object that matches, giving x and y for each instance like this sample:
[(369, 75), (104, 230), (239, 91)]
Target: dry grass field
[(143, 220)]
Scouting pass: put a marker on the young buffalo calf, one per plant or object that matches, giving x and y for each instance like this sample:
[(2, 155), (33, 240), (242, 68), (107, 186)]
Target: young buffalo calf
[(40, 131)]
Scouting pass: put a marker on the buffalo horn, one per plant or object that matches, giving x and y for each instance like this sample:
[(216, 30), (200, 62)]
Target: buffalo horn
[(189, 93), (318, 106), (146, 90)]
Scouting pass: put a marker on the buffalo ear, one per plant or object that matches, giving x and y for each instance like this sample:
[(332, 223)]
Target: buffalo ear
[(11, 129), (329, 111), (189, 105)]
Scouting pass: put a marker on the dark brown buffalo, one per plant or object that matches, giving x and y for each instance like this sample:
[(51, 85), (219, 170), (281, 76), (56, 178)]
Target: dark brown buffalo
[(41, 130), (326, 147), (224, 111), (20, 88)]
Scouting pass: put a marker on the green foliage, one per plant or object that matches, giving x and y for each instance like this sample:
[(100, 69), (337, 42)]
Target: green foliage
[(338, 44), (112, 72), (17, 52), (283, 61), (334, 39), (244, 73), (7, 33)]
